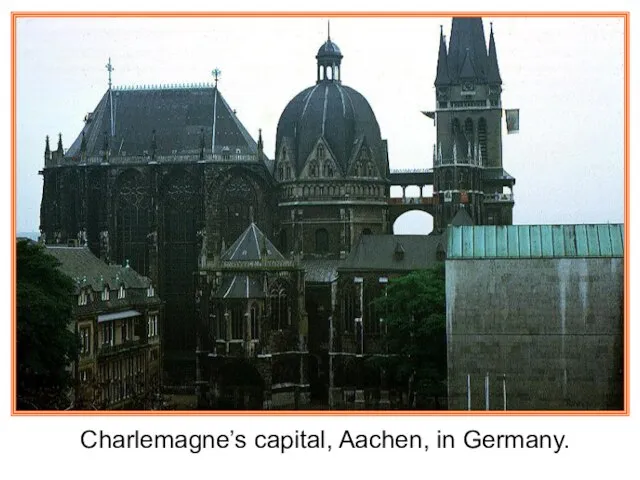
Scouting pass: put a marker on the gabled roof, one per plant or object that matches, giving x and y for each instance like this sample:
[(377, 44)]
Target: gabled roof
[(394, 252), (183, 119), (252, 245), (87, 270), (535, 241)]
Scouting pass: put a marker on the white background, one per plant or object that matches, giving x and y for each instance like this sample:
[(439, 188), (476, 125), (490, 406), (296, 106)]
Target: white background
[(599, 447)]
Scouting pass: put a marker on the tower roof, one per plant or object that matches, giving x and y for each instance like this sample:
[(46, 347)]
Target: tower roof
[(493, 73), (442, 75), (467, 39)]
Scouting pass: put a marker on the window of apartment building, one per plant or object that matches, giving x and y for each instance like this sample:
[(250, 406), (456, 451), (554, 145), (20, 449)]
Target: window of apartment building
[(126, 330), (85, 340), (83, 298), (105, 294), (122, 293), (108, 333), (152, 326)]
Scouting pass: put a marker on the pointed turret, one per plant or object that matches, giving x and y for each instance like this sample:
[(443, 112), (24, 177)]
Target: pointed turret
[(60, 149), (493, 73), (47, 149), (442, 75), (260, 144)]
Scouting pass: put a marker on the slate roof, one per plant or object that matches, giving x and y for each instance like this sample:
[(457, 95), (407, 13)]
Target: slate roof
[(332, 111), (239, 286), (394, 252), (252, 245), (321, 271), (88, 270), (467, 37), (467, 56), (462, 217), (183, 119), (535, 241)]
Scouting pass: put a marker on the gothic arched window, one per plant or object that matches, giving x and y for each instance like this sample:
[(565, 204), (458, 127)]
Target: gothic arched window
[(279, 305)]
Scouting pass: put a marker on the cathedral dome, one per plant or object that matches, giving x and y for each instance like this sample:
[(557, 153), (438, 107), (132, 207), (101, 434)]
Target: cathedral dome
[(331, 111)]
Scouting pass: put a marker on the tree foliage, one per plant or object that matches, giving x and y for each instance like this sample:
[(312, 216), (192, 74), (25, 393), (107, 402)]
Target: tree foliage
[(415, 315), (46, 342)]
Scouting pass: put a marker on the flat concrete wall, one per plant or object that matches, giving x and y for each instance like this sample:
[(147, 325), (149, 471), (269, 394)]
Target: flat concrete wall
[(548, 332)]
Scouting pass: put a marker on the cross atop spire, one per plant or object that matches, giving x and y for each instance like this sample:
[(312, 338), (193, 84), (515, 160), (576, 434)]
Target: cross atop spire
[(110, 69), (216, 75)]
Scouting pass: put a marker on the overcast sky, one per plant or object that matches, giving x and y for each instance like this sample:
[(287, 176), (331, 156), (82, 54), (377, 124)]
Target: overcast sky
[(565, 75)]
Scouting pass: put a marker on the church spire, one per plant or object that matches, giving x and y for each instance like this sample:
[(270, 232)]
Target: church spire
[(60, 149), (442, 75), (47, 149), (493, 73), (467, 39)]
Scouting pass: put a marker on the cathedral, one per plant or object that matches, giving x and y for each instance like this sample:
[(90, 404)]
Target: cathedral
[(268, 267)]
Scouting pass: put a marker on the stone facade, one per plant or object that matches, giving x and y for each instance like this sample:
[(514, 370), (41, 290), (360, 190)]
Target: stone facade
[(540, 333)]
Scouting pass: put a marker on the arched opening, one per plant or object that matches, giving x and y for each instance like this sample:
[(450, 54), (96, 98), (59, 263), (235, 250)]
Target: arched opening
[(413, 222), (279, 305)]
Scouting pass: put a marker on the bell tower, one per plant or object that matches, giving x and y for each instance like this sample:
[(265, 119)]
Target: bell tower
[(467, 159)]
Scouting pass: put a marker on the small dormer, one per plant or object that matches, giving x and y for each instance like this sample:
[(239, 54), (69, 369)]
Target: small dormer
[(83, 297), (122, 292), (105, 293), (151, 291)]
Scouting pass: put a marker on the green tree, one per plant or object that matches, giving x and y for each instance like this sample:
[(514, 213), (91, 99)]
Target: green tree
[(46, 342), (414, 314)]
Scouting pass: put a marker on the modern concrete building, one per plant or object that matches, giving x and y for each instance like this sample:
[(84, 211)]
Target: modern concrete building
[(535, 317)]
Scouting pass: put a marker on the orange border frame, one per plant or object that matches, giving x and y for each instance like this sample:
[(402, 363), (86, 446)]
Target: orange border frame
[(349, 14)]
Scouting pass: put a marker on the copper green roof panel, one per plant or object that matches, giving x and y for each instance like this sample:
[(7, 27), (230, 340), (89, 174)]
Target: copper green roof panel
[(546, 237), (501, 242), (524, 241), (604, 239), (478, 243), (570, 240), (558, 241), (467, 241), (455, 243), (616, 240), (513, 249), (490, 240), (581, 241), (535, 241)]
